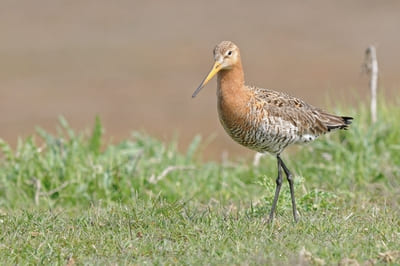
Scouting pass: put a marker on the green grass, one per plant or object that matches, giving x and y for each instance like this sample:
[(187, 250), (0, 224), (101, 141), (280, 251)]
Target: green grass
[(69, 198)]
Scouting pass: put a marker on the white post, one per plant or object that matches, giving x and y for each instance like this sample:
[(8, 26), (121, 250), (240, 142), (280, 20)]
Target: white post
[(371, 67)]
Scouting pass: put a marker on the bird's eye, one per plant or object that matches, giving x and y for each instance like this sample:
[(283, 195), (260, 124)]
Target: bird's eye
[(229, 53)]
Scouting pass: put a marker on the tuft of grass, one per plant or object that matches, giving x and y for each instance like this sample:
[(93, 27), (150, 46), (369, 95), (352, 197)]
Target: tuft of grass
[(69, 198), (95, 138)]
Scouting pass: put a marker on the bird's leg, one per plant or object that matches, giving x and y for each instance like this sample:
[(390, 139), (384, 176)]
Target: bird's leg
[(289, 177), (278, 189)]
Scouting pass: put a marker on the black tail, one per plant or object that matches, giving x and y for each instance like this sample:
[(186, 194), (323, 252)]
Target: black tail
[(346, 121)]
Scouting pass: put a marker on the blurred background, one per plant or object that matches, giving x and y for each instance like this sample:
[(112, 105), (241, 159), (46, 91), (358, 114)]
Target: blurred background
[(136, 63)]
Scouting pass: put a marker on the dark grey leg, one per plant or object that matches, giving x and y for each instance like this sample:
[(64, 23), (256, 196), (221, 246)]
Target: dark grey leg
[(278, 189), (289, 177)]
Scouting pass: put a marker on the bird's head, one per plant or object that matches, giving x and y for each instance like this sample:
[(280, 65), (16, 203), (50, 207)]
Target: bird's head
[(226, 55)]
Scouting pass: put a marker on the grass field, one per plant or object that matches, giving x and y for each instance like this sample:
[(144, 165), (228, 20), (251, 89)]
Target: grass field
[(71, 199)]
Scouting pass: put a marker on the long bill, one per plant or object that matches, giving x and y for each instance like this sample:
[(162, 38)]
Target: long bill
[(214, 70)]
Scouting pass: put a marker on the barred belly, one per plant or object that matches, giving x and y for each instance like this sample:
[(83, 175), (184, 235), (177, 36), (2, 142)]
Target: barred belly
[(263, 136)]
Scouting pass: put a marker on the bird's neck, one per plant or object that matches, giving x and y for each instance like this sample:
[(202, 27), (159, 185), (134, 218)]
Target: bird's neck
[(231, 81), (233, 96)]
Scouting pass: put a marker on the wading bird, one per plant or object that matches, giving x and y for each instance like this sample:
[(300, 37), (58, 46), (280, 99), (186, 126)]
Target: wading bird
[(265, 120)]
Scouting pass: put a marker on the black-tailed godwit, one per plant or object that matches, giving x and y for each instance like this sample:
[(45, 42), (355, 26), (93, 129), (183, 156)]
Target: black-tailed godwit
[(265, 120)]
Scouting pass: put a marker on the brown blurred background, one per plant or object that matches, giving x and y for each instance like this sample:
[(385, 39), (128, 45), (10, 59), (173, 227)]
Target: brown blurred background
[(136, 63)]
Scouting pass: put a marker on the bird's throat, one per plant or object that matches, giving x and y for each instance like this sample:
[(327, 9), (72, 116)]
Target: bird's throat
[(231, 81)]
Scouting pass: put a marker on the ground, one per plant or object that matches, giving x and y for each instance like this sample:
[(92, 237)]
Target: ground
[(71, 198)]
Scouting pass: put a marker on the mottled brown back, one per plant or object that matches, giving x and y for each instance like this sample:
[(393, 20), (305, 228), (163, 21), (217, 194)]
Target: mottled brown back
[(307, 118)]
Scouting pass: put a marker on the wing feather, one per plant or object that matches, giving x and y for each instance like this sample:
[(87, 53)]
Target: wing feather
[(305, 117)]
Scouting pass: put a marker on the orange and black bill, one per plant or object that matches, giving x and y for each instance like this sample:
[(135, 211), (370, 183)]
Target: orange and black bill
[(214, 70)]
